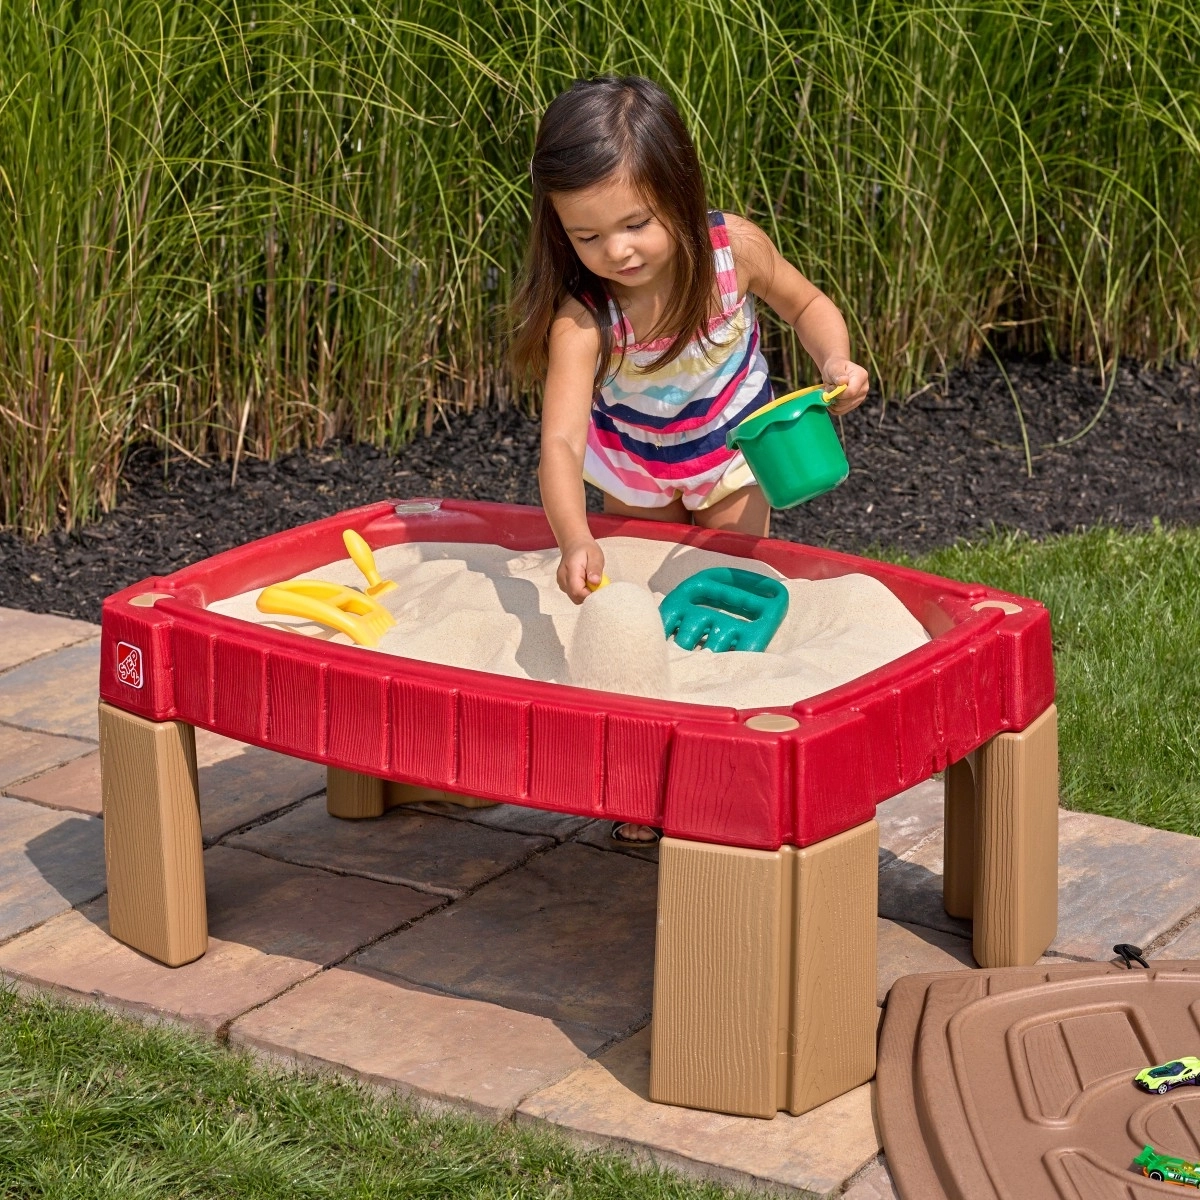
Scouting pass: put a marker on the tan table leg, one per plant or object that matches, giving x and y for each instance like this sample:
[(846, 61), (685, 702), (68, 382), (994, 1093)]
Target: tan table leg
[(1002, 835), (764, 974), (958, 878), (352, 796), (153, 851)]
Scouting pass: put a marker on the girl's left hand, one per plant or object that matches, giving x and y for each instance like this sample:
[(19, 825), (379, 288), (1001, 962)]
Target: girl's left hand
[(842, 370)]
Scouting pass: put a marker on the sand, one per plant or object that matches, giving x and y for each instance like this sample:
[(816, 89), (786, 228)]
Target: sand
[(490, 609)]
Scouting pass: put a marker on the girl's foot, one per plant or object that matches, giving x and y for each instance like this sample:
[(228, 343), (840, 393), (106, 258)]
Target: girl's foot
[(630, 834)]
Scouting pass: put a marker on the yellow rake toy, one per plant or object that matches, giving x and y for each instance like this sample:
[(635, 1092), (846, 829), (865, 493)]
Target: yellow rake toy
[(334, 604)]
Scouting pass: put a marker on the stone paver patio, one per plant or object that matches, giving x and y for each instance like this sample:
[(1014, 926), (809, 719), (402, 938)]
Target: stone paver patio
[(497, 960)]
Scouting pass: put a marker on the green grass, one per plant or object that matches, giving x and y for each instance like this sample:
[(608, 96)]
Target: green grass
[(1125, 612), (96, 1108), (240, 226)]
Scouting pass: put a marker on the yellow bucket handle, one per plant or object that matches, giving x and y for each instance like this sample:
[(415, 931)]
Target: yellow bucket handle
[(827, 397)]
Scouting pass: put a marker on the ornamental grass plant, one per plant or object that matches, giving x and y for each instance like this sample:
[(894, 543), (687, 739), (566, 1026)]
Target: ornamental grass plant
[(241, 226)]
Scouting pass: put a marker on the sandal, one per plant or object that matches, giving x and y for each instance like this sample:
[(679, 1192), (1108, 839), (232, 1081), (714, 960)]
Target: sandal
[(617, 826)]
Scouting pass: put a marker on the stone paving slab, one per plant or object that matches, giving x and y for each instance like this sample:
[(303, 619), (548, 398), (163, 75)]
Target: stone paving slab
[(570, 936), (912, 950), (49, 861), (57, 693), (599, 835), (240, 783), (1119, 882), (23, 754), (24, 635), (907, 819), (875, 1183), (1184, 944), (514, 818), (910, 888), (419, 1042), (74, 955), (605, 1102), (299, 912), (74, 787), (416, 849)]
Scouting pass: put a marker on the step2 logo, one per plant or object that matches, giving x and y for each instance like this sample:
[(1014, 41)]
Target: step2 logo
[(129, 664)]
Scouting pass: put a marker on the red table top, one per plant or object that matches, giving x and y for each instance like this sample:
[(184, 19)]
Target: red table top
[(698, 771)]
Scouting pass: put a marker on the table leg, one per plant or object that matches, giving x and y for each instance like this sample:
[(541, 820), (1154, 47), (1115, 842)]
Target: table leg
[(353, 796), (153, 851), (958, 856), (1001, 843), (1016, 845), (764, 974)]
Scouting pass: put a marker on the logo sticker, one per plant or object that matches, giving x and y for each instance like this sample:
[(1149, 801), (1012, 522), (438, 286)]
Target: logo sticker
[(129, 664)]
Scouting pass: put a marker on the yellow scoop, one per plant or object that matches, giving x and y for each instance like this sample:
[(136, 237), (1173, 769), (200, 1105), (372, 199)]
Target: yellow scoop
[(364, 560), (333, 604)]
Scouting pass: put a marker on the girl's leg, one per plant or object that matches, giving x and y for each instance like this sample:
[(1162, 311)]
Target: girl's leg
[(745, 510), (668, 512), (628, 831)]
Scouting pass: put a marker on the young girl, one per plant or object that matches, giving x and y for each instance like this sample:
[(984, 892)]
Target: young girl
[(637, 304)]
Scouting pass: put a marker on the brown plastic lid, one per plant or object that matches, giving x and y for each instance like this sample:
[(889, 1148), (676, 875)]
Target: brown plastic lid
[(1017, 1084)]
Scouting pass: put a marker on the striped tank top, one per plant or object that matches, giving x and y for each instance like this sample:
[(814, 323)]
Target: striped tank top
[(656, 436)]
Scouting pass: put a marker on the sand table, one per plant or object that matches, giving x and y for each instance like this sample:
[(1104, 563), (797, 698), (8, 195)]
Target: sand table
[(487, 608)]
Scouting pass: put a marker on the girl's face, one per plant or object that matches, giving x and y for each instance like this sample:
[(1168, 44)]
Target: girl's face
[(615, 233)]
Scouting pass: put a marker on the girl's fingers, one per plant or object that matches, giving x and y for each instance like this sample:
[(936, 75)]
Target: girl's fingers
[(579, 567), (844, 406), (595, 566), (570, 580), (857, 385), (578, 590)]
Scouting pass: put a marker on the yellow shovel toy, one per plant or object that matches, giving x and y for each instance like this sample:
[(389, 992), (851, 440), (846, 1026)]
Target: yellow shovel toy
[(333, 604)]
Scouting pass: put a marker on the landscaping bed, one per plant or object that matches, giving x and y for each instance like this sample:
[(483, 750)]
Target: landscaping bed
[(950, 464)]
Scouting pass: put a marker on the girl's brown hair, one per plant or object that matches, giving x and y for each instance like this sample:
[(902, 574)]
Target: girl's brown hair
[(600, 128)]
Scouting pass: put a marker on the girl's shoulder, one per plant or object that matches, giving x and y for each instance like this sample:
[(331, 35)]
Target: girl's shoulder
[(574, 327), (745, 238), (576, 312), (753, 251)]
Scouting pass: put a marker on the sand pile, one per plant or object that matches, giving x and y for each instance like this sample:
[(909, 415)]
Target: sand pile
[(618, 644), (490, 609)]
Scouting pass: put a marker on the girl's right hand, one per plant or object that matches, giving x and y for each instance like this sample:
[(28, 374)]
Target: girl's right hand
[(582, 563)]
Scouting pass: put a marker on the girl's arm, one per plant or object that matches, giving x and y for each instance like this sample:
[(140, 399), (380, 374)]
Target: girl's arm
[(761, 269), (566, 409)]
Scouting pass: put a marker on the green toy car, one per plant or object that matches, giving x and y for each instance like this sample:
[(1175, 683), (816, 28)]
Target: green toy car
[(1162, 1078), (1172, 1170)]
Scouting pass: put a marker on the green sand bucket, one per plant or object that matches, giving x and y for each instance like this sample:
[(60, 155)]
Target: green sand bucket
[(792, 447)]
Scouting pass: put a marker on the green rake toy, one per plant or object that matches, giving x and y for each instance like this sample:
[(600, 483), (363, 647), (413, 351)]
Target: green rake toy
[(724, 608)]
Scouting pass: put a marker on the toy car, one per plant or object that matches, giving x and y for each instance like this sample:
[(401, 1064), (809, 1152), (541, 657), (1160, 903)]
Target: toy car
[(1172, 1170), (1162, 1078)]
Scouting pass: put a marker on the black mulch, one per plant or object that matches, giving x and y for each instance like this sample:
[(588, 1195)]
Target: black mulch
[(947, 465)]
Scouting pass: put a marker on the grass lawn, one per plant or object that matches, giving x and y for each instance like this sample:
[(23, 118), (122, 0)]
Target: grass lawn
[(93, 1107)]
